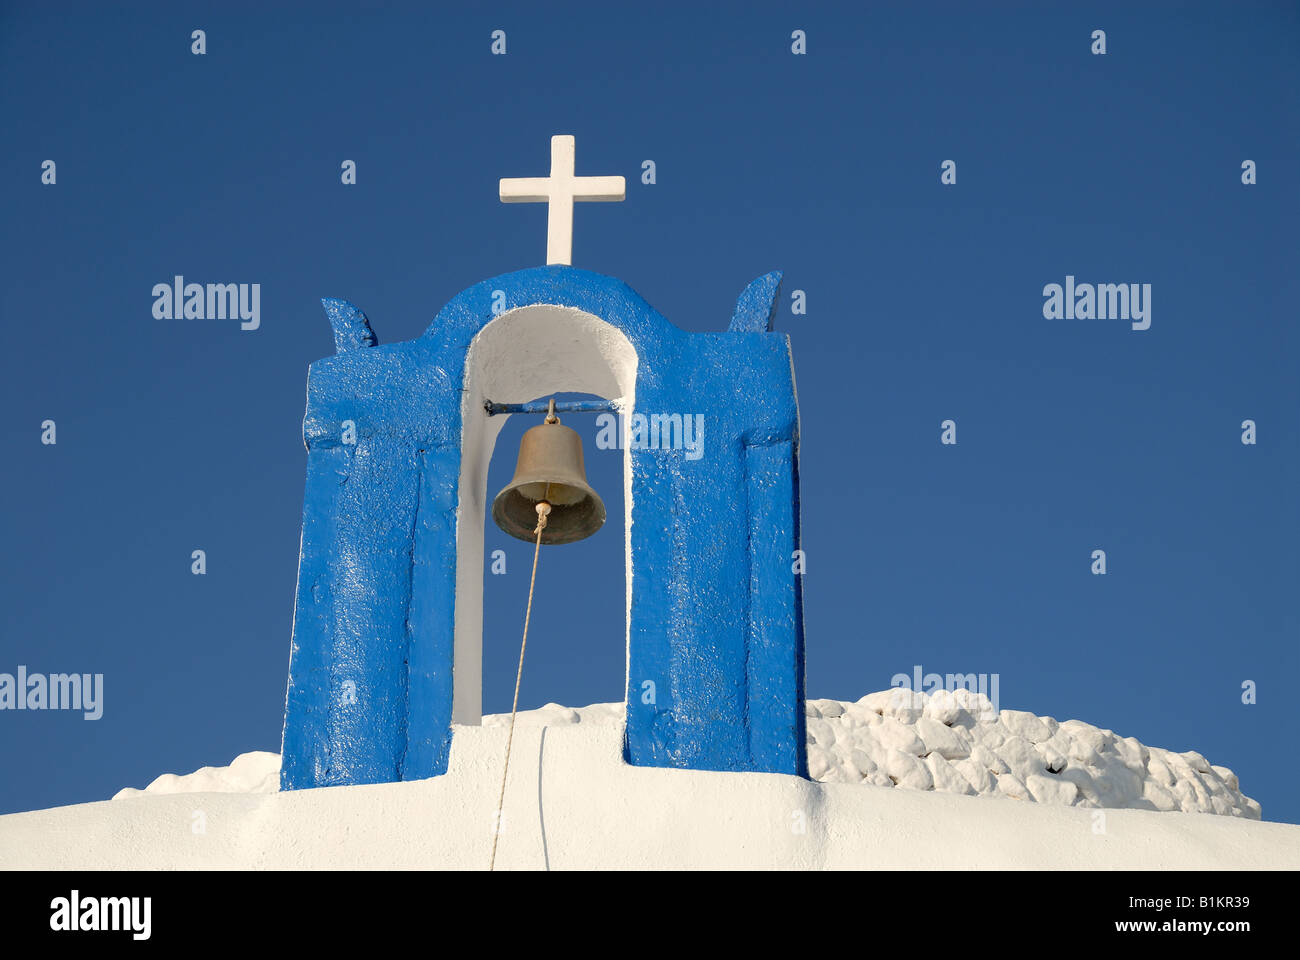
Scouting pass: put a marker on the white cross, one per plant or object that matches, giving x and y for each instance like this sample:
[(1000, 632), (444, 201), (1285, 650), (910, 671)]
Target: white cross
[(558, 191)]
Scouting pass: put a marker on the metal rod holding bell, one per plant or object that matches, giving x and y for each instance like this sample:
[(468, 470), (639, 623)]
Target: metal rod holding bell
[(540, 406)]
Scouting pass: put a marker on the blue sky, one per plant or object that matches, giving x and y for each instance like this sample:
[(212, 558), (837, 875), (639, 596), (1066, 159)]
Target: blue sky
[(924, 303)]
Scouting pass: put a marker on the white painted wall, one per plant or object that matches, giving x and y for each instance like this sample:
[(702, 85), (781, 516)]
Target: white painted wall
[(523, 354), (572, 803)]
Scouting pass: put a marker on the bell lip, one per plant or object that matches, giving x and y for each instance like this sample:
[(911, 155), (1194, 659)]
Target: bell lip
[(519, 532)]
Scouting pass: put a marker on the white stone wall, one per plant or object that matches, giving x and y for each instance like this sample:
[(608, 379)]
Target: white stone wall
[(957, 743), (947, 743)]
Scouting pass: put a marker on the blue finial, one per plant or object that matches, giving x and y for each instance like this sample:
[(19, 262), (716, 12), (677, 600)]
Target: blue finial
[(351, 328), (756, 305)]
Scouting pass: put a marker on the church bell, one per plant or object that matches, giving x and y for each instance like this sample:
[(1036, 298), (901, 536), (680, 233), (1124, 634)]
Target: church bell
[(551, 469)]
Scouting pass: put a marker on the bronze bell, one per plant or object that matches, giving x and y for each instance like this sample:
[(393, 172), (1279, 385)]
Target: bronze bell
[(550, 468)]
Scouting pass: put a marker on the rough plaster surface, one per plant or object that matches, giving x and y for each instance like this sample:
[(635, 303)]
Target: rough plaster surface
[(959, 743), (573, 803), (387, 621), (946, 743)]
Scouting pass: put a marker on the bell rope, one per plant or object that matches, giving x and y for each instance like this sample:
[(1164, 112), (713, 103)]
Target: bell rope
[(543, 509)]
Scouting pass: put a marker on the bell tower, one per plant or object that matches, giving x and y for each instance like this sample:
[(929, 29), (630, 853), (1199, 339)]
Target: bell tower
[(385, 657)]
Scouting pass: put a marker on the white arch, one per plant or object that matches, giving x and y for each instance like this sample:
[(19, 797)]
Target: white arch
[(524, 353)]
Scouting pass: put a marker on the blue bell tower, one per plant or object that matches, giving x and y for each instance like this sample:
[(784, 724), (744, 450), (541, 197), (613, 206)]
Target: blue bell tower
[(386, 652)]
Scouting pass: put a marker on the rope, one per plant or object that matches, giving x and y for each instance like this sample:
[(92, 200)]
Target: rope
[(543, 508)]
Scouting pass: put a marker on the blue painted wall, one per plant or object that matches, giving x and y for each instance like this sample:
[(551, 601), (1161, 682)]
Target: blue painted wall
[(716, 613)]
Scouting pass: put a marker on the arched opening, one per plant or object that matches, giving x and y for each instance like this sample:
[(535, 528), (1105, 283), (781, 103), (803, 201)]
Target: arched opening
[(527, 353), (574, 656)]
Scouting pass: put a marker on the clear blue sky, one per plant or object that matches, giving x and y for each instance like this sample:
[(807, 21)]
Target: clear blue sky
[(924, 303)]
